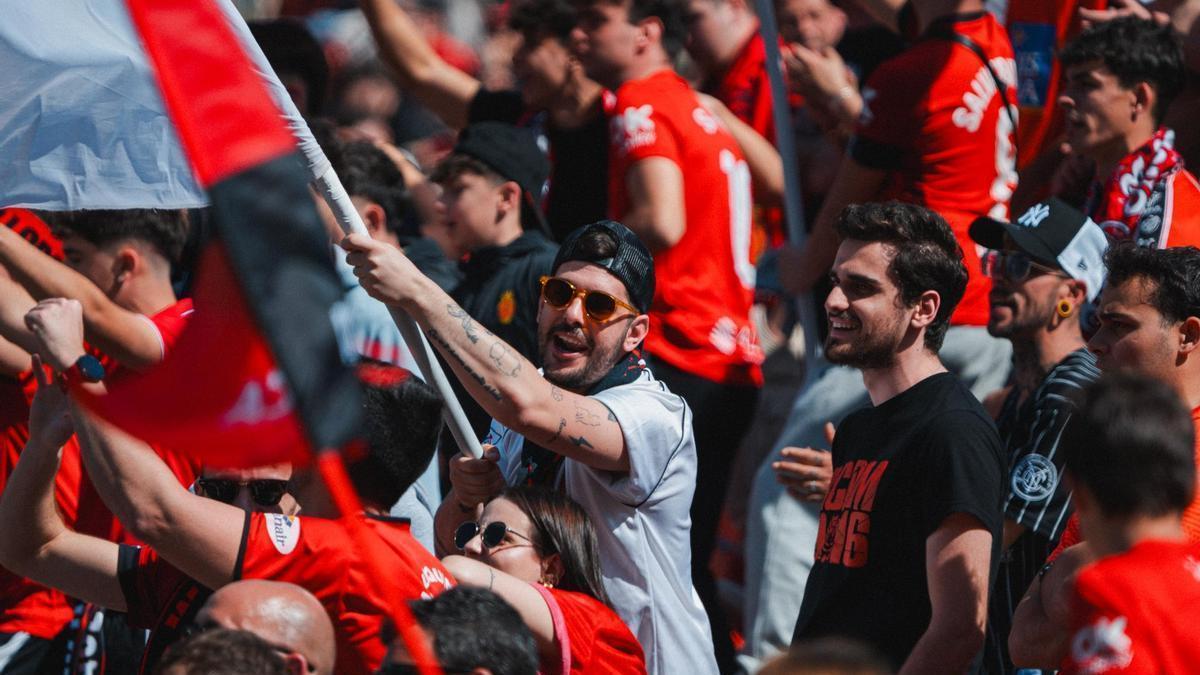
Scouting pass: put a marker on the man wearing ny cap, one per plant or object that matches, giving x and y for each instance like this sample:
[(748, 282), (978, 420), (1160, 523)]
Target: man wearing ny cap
[(597, 422), (1044, 268), (491, 192)]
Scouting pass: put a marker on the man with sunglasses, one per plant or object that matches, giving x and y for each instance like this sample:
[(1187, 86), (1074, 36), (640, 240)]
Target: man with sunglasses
[(1045, 267), (597, 423)]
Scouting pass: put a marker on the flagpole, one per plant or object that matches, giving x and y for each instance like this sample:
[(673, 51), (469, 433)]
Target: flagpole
[(330, 186), (785, 142), (347, 216)]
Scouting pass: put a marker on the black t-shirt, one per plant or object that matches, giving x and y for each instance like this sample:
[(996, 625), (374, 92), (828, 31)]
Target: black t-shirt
[(578, 159), (900, 469)]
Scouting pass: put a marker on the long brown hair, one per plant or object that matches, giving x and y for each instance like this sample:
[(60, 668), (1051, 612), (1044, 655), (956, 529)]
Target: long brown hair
[(562, 526)]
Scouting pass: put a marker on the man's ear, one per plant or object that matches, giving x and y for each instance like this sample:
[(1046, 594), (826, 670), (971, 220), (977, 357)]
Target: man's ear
[(1145, 96), (509, 197), (374, 218), (638, 328), (650, 32), (295, 663), (926, 309), (1189, 335), (127, 261)]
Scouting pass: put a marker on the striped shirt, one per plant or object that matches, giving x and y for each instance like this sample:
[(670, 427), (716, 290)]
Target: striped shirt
[(1036, 498)]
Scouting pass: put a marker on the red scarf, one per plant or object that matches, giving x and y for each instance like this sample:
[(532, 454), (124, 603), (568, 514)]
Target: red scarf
[(1120, 202)]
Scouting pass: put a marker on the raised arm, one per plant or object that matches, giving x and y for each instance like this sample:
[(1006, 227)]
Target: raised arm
[(1041, 624), (124, 335), (506, 384), (958, 561), (36, 544), (444, 89), (199, 536)]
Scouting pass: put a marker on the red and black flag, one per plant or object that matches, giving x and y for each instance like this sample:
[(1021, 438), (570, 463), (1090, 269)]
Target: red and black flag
[(258, 376)]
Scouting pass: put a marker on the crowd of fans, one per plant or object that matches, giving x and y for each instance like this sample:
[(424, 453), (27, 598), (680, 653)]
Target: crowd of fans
[(988, 464)]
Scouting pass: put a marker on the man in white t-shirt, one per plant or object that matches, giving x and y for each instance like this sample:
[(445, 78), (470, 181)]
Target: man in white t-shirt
[(596, 423)]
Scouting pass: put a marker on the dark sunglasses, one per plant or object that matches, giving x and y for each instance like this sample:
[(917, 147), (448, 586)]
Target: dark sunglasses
[(599, 306), (1012, 265), (264, 491), (493, 534)]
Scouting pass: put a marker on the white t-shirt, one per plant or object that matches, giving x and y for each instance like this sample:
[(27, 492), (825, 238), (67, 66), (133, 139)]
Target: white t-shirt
[(643, 523)]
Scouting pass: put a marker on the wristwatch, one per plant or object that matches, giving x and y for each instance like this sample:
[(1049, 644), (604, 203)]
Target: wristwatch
[(87, 368)]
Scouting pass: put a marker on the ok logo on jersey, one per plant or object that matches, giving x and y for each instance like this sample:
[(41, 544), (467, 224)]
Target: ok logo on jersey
[(633, 128)]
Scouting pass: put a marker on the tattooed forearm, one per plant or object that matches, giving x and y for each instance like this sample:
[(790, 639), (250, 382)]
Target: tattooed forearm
[(562, 424), (468, 324), (581, 442), (437, 337), (507, 361), (556, 393), (585, 416)]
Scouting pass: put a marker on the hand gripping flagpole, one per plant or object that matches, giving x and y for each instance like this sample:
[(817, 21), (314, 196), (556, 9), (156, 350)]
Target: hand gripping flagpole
[(331, 189), (785, 142)]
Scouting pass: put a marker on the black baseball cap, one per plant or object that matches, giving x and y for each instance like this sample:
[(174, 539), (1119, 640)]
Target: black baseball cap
[(514, 154), (631, 263), (1055, 234), (509, 150)]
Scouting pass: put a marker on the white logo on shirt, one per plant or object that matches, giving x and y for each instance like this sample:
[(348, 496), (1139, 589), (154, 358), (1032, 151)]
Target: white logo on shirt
[(1035, 215), (1034, 478), (1192, 566), (633, 128), (431, 576), (983, 88), (283, 531), (1102, 646), (260, 402), (707, 122)]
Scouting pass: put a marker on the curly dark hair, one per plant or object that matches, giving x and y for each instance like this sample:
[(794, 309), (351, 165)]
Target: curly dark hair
[(1174, 274), (927, 256), (1135, 50)]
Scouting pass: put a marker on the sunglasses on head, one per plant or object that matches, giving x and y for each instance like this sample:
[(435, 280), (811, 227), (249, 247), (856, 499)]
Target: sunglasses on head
[(1012, 265), (598, 305), (492, 536), (264, 491)]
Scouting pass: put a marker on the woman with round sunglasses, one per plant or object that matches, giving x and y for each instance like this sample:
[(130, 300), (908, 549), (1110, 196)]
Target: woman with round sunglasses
[(538, 551)]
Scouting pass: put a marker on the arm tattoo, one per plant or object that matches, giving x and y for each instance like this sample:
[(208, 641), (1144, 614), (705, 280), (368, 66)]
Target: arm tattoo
[(581, 442), (468, 324), (506, 360), (556, 393), (562, 424), (585, 416), (437, 337)]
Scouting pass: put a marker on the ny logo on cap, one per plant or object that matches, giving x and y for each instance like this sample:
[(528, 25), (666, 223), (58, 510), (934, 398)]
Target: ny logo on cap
[(1035, 215)]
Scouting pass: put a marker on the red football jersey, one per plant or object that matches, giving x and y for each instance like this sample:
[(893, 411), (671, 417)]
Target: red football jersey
[(1137, 612), (24, 605), (933, 119), (591, 637), (319, 555), (700, 317)]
